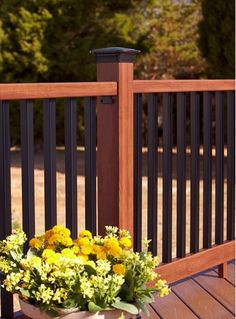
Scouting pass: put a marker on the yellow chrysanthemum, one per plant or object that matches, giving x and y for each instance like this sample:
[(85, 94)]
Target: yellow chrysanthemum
[(50, 256), (68, 253), (61, 230), (112, 247), (85, 233), (119, 269), (75, 249), (36, 243), (85, 245), (125, 242), (83, 241), (99, 251)]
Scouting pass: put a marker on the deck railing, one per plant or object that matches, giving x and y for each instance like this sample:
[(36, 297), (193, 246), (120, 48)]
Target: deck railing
[(113, 142)]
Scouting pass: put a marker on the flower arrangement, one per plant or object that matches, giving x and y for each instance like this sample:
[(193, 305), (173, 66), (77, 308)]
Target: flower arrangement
[(91, 273)]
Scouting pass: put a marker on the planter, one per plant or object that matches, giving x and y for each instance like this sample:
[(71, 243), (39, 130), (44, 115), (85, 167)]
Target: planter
[(35, 313)]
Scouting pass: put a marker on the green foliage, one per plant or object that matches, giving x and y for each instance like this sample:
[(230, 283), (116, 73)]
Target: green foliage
[(217, 37), (170, 40), (50, 40)]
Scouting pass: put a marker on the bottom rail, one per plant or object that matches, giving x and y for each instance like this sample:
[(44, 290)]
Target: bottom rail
[(184, 267)]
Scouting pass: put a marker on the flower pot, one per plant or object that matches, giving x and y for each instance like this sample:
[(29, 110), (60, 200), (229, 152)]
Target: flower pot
[(35, 313)]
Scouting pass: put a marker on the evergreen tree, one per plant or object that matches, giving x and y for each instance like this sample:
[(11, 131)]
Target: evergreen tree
[(217, 37)]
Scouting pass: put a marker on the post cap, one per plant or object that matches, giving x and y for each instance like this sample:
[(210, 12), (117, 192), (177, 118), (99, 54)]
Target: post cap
[(115, 54)]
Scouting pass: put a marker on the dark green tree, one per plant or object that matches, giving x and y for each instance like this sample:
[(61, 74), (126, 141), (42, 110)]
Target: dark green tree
[(217, 37)]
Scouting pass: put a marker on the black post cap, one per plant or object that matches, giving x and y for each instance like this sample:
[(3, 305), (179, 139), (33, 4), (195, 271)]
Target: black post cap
[(115, 54)]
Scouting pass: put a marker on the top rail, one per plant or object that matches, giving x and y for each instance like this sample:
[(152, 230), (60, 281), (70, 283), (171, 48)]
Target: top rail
[(21, 91), (155, 86)]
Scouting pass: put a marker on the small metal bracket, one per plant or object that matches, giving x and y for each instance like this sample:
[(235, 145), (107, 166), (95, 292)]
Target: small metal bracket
[(107, 100)]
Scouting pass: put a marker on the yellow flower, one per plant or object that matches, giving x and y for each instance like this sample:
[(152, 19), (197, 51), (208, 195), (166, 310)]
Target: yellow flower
[(99, 251), (75, 249), (50, 256), (112, 247), (36, 243), (85, 233), (125, 242), (61, 230), (68, 253), (83, 258), (85, 245), (119, 269)]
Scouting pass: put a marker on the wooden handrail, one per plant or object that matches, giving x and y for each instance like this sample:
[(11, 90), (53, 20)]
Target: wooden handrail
[(56, 90), (21, 91), (155, 86)]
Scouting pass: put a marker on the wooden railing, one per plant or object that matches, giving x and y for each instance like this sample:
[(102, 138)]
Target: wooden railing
[(113, 141)]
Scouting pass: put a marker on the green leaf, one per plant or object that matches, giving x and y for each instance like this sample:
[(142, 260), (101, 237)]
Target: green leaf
[(90, 270), (31, 252), (92, 307), (25, 292), (144, 308), (14, 255), (70, 303), (132, 309), (147, 299)]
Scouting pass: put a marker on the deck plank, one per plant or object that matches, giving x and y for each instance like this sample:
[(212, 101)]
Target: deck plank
[(153, 314), (171, 307), (219, 288), (199, 301)]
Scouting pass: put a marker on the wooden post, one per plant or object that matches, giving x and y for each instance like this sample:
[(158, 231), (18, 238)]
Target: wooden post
[(223, 270), (115, 140)]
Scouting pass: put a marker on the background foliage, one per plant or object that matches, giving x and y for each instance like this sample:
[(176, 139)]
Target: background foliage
[(50, 40)]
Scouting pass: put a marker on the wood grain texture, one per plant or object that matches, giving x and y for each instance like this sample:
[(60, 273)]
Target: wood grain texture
[(200, 302), (152, 86), (219, 288), (231, 273), (115, 149), (171, 307), (56, 90), (152, 314), (192, 264)]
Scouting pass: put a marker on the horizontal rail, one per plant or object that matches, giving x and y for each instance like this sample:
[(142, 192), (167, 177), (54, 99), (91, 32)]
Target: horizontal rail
[(21, 91), (162, 86), (192, 264)]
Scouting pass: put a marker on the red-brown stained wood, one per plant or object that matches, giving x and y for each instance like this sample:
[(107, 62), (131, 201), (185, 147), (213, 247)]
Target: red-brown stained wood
[(152, 314), (200, 302), (219, 288), (192, 264), (152, 86), (231, 273), (223, 270), (171, 307), (56, 90), (115, 150)]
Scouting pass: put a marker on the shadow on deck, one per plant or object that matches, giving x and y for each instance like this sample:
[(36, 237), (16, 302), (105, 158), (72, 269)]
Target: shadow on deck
[(202, 296)]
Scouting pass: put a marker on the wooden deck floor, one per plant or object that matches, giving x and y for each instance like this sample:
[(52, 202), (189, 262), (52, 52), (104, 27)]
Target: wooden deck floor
[(202, 296)]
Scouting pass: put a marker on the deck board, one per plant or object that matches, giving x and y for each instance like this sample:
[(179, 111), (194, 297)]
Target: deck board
[(171, 307), (203, 296), (219, 288), (200, 301), (152, 314)]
